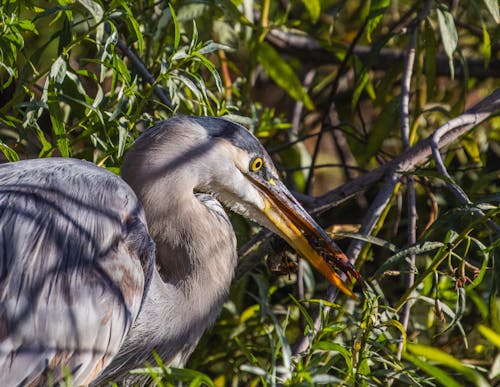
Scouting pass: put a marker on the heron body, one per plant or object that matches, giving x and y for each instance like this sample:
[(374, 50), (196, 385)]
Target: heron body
[(98, 271)]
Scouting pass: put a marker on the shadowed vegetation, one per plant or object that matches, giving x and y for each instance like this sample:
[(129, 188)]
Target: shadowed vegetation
[(357, 103)]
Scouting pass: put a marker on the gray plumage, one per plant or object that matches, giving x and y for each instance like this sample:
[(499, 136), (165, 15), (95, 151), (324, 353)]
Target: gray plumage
[(97, 272)]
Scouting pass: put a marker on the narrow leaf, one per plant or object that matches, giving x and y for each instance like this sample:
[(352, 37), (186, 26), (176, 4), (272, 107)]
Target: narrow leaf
[(441, 376), (57, 75), (420, 248), (282, 73), (489, 334), (361, 84), (443, 358), (177, 33), (449, 34), (8, 152), (94, 8), (377, 11), (492, 6), (58, 127), (366, 238), (335, 347), (486, 46), (314, 9)]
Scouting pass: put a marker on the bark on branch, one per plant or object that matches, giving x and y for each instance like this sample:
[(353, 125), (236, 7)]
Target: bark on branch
[(414, 156), (308, 49)]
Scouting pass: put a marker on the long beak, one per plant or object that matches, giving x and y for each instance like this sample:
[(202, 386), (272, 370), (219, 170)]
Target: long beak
[(300, 230)]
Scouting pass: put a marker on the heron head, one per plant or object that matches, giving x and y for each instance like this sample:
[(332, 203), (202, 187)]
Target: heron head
[(241, 174)]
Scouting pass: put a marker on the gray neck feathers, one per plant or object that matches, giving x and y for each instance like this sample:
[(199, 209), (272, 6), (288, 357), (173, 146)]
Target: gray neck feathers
[(196, 258)]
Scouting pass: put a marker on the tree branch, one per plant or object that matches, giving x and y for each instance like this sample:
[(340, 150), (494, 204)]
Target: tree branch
[(414, 156), (310, 50)]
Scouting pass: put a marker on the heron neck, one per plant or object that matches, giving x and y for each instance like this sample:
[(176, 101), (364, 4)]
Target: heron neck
[(195, 261)]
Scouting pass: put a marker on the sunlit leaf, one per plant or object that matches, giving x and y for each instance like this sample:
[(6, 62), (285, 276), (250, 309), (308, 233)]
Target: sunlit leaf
[(443, 358), (486, 46), (177, 33), (360, 86), (440, 375), (492, 6), (8, 152), (314, 9), (492, 336), (377, 12), (57, 74)]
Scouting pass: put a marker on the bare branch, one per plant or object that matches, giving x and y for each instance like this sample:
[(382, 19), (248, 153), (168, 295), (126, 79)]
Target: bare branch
[(452, 186), (306, 48), (405, 136), (373, 215), (414, 156)]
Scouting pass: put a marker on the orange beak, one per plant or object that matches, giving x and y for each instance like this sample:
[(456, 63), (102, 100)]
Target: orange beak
[(300, 230)]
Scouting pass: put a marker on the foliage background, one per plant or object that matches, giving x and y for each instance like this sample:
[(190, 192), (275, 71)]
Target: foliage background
[(334, 89)]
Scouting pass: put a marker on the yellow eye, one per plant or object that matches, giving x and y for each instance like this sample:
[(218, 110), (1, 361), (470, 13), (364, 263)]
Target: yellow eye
[(257, 163)]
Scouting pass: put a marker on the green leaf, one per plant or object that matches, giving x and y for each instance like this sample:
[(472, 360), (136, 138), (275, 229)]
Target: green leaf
[(490, 335), (8, 152), (282, 73), (314, 9), (335, 347), (133, 24), (58, 127), (486, 46), (443, 358), (177, 33), (441, 376), (27, 25), (368, 238), (360, 86), (232, 13), (46, 145), (449, 34), (459, 310), (377, 11), (304, 313), (446, 310), (492, 6), (57, 75), (479, 276)]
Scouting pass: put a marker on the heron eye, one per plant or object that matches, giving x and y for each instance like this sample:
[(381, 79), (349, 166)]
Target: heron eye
[(256, 164)]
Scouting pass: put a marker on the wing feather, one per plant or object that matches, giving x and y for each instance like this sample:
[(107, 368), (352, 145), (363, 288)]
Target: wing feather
[(75, 260)]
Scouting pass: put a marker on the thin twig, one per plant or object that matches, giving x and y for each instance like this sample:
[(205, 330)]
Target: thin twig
[(405, 137), (142, 70), (335, 85), (299, 107), (373, 214)]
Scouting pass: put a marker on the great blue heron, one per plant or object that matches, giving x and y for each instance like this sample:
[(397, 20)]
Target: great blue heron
[(97, 272)]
